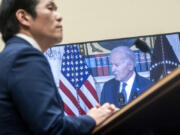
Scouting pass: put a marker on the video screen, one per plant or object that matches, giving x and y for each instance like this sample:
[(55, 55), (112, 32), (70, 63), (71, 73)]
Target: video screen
[(115, 71)]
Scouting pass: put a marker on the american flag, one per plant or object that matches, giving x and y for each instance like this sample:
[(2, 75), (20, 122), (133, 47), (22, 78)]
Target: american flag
[(77, 87), (164, 60)]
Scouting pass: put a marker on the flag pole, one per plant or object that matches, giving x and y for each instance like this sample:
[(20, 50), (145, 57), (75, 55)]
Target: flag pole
[(163, 56)]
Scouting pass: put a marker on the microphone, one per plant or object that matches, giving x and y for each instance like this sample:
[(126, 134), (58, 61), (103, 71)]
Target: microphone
[(134, 95), (142, 46), (121, 99)]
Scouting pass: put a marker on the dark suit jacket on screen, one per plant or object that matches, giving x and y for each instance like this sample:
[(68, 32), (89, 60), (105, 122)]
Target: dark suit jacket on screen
[(29, 100), (111, 89)]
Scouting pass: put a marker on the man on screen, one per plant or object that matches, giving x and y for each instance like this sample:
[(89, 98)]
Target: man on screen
[(29, 99), (127, 84)]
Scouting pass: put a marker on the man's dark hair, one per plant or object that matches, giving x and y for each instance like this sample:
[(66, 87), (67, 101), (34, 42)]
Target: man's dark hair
[(9, 25)]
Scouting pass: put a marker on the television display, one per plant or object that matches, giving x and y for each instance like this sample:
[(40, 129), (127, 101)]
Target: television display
[(93, 72)]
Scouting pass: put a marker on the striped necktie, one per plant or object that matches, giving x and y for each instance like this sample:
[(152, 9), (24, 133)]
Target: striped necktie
[(123, 95)]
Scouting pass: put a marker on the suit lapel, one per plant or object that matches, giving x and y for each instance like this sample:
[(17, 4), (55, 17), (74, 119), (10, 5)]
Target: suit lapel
[(18, 40), (116, 92), (135, 89)]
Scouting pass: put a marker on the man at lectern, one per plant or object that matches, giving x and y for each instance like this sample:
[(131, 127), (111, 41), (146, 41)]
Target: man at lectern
[(127, 84), (29, 99)]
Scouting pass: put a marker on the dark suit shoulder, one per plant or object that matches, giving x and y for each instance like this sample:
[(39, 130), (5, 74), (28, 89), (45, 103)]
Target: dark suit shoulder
[(144, 80), (21, 48), (111, 82), (16, 47)]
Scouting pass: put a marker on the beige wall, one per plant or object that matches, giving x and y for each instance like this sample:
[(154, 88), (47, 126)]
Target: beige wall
[(89, 20)]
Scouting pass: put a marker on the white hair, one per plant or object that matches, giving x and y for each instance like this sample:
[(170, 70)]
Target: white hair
[(126, 51)]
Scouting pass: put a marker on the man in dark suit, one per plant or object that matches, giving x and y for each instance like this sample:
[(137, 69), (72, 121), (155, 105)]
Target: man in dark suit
[(127, 84), (29, 100)]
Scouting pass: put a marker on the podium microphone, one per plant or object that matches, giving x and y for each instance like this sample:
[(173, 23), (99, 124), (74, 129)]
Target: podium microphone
[(142, 46), (121, 99)]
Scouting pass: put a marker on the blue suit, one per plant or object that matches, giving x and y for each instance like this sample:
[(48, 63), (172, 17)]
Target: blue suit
[(110, 90), (29, 100)]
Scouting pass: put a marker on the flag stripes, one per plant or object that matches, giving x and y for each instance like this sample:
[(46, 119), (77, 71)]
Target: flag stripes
[(76, 84), (91, 90), (86, 101), (68, 110), (68, 93)]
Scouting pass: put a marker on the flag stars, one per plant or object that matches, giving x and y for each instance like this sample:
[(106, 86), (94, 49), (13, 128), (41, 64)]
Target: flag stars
[(67, 51), (76, 62), (68, 57), (77, 86), (76, 57), (81, 61), (68, 63), (86, 72), (68, 69), (81, 67), (63, 69), (86, 67), (74, 67), (81, 73), (72, 56), (75, 51)]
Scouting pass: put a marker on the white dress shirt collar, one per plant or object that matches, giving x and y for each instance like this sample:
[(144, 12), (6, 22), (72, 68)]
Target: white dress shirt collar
[(131, 79), (129, 83), (30, 40)]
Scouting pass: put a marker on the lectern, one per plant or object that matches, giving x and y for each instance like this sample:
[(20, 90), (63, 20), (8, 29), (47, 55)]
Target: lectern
[(154, 112)]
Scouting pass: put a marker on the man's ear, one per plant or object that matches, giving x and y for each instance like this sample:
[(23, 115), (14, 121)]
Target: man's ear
[(131, 65), (23, 17)]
